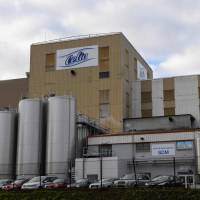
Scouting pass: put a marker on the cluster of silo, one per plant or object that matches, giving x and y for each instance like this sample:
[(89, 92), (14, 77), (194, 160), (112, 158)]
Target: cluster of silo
[(46, 136), (44, 140)]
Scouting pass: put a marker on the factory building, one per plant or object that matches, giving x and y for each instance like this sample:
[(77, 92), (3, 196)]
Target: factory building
[(161, 137), (93, 106), (12, 91), (152, 151), (97, 70), (166, 96)]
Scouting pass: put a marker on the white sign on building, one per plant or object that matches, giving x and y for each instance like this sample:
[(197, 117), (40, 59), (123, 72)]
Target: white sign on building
[(167, 149), (141, 71), (77, 57)]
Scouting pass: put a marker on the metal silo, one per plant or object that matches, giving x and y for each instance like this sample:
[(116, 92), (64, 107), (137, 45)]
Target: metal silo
[(60, 135), (7, 143), (30, 134)]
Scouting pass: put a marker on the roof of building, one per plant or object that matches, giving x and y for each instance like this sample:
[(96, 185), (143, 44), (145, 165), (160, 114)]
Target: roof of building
[(147, 132), (77, 37)]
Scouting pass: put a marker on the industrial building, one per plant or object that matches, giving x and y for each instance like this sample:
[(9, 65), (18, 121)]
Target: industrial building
[(90, 107), (166, 96), (101, 84), (161, 138), (153, 152), (12, 91)]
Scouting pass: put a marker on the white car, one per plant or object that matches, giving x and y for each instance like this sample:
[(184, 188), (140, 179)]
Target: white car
[(106, 183), (129, 180), (38, 182)]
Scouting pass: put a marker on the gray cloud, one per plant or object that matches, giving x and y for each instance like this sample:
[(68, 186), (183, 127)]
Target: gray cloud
[(165, 32)]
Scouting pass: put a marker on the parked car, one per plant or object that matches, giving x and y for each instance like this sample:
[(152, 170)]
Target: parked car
[(56, 184), (129, 180), (165, 181), (106, 183), (15, 185), (5, 182), (38, 182), (81, 183)]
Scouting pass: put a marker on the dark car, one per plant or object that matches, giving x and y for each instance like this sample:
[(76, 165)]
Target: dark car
[(5, 182), (15, 185), (165, 181), (56, 184)]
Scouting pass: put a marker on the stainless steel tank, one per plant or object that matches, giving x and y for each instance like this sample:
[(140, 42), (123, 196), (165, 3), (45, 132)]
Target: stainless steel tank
[(60, 151), (7, 143), (29, 148)]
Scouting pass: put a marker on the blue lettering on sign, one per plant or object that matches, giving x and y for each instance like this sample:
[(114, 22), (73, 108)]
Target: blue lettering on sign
[(77, 57), (164, 151)]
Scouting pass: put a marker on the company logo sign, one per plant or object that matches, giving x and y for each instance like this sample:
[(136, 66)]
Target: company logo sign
[(163, 149), (77, 57)]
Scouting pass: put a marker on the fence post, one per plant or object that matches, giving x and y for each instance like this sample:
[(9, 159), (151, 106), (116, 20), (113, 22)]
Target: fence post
[(101, 166), (174, 166), (134, 169)]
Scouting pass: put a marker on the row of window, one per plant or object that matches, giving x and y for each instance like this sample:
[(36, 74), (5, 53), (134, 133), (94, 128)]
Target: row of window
[(180, 145), (106, 149)]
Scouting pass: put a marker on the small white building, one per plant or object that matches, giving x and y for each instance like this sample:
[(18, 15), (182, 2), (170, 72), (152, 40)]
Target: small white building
[(153, 153)]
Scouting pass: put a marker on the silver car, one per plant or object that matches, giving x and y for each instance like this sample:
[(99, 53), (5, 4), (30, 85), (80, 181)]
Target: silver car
[(129, 180), (105, 183), (81, 183), (38, 182)]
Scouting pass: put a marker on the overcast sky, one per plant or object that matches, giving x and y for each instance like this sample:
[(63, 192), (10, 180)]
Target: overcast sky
[(165, 32)]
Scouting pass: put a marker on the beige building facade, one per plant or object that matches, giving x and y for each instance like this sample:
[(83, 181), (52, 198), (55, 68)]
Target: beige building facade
[(12, 91), (167, 96), (103, 92)]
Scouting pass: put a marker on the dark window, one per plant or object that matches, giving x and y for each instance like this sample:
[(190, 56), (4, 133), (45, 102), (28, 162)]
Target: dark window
[(50, 61), (105, 150), (169, 111), (143, 147), (104, 74)]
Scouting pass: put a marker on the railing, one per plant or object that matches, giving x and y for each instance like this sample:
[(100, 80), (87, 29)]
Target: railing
[(76, 37)]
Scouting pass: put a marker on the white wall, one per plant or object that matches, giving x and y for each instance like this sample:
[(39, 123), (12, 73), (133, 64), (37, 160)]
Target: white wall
[(92, 166), (186, 96)]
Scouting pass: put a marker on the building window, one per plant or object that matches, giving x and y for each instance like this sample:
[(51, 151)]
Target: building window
[(105, 150), (168, 95), (50, 62), (142, 147), (184, 145), (104, 105), (126, 58), (146, 113), (104, 74), (127, 104), (169, 111), (146, 97), (104, 110), (104, 58)]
